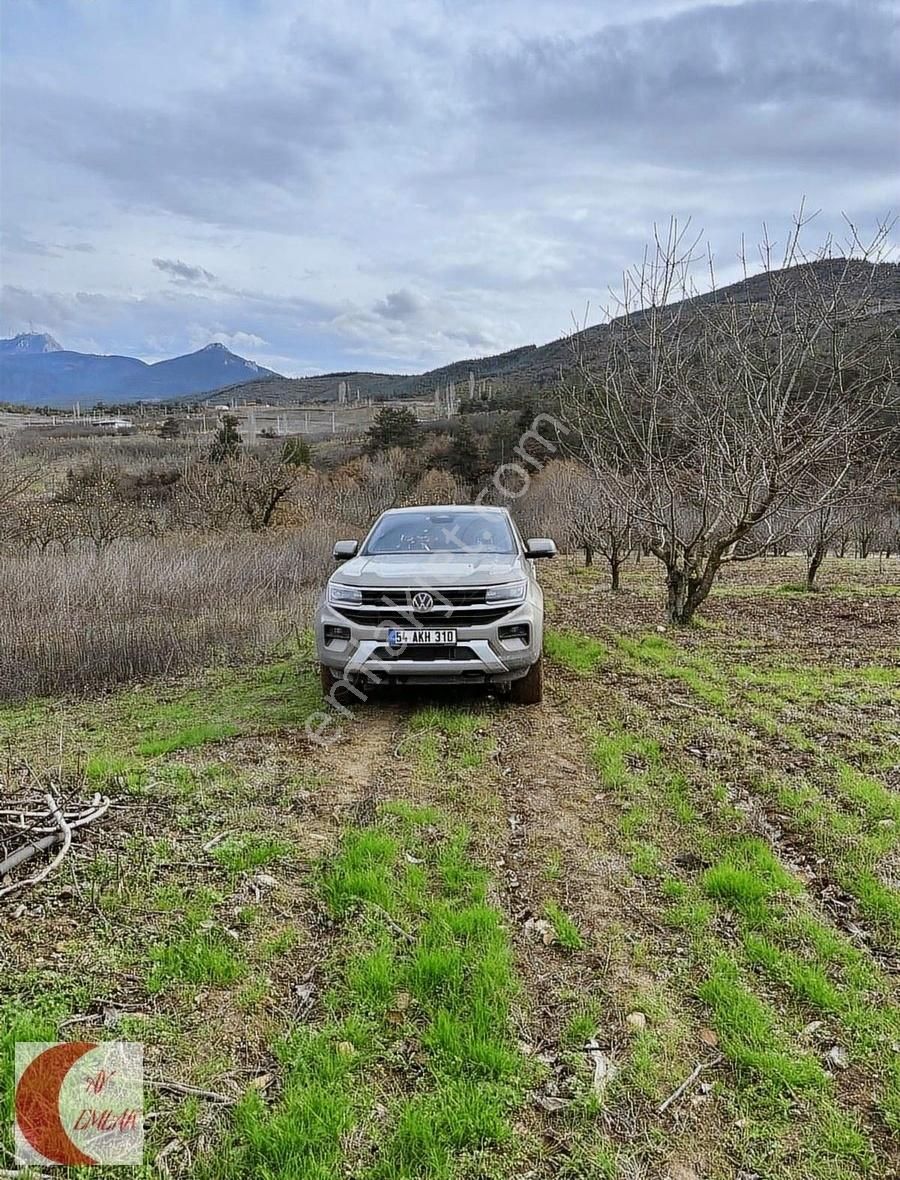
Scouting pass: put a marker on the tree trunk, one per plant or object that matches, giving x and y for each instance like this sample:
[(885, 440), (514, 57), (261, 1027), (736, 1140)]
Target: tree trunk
[(683, 596), (687, 587), (615, 567), (814, 561), (588, 555)]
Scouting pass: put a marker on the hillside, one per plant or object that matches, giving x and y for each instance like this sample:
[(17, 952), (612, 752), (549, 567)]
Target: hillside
[(290, 390), (535, 366)]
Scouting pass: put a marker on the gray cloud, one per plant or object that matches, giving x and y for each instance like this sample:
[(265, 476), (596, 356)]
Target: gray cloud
[(182, 272), (392, 185), (768, 80), (397, 305)]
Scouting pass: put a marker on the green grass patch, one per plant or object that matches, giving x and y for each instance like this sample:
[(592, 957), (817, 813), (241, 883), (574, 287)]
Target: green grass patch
[(621, 757), (567, 933), (205, 957), (579, 653), (425, 959), (184, 739), (749, 1038), (242, 854), (747, 878)]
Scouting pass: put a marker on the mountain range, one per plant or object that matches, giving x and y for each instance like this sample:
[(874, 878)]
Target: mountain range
[(36, 370)]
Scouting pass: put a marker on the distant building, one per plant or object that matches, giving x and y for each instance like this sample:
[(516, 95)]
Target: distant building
[(111, 423)]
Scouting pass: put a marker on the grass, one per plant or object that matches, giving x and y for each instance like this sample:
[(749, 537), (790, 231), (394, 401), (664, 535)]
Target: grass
[(564, 928), (771, 941), (242, 854), (749, 1038), (201, 958), (579, 653), (185, 739), (82, 622), (423, 956), (747, 879)]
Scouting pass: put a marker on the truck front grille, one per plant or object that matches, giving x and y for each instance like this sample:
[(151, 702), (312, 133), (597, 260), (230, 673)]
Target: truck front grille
[(402, 599), (471, 617)]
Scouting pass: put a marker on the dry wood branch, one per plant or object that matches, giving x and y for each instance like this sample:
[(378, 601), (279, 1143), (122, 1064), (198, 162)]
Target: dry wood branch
[(45, 872), (27, 851), (181, 1088), (43, 830), (686, 1084)]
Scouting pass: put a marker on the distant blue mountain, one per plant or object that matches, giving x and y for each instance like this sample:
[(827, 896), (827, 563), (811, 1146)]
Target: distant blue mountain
[(35, 370), (28, 343)]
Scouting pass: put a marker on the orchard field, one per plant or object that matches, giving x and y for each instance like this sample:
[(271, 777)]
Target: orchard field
[(650, 928)]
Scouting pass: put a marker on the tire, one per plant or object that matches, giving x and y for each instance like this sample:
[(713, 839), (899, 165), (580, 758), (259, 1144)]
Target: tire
[(529, 689), (328, 678)]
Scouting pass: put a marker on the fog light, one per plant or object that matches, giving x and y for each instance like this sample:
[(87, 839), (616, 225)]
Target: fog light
[(336, 633), (515, 631)]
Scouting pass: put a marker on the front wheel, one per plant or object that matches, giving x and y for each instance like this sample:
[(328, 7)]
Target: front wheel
[(328, 678), (529, 689)]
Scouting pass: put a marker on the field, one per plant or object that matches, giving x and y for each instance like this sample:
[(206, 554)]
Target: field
[(650, 928)]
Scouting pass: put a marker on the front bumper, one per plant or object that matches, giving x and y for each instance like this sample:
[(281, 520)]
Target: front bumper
[(480, 654)]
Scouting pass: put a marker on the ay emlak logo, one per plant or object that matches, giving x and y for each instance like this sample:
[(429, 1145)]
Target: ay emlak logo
[(78, 1102)]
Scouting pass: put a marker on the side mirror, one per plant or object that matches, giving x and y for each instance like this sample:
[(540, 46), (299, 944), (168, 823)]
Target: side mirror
[(344, 550), (536, 547)]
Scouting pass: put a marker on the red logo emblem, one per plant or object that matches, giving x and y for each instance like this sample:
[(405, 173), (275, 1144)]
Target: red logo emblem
[(79, 1103)]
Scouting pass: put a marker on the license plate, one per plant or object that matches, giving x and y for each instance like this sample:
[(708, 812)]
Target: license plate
[(409, 638)]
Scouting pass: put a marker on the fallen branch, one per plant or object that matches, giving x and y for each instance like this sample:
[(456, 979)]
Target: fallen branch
[(27, 851), (36, 831), (66, 829), (75, 818), (686, 1084), (181, 1088)]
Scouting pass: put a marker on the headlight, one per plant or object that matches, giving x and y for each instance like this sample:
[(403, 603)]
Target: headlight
[(340, 593), (512, 592)]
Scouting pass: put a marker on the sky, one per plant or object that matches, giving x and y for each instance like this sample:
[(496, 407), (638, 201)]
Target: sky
[(396, 184)]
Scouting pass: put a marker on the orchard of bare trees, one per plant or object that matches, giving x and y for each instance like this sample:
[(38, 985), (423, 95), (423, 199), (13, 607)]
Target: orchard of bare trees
[(713, 430)]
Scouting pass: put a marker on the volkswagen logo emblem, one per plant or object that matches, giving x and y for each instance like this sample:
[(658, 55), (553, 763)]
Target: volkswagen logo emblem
[(422, 601)]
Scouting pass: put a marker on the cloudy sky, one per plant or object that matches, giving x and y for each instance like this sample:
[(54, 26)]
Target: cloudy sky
[(393, 184)]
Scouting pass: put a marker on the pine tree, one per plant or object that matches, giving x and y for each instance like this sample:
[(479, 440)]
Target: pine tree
[(296, 452), (228, 440), (392, 427)]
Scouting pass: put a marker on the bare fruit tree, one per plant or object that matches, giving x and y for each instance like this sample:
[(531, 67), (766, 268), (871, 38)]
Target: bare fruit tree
[(706, 415), (833, 520), (244, 491), (597, 513)]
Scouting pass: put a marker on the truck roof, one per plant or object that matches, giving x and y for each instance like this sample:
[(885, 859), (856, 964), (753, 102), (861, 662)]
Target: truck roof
[(480, 509)]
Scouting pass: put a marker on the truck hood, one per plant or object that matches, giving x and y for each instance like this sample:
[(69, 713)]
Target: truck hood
[(431, 570)]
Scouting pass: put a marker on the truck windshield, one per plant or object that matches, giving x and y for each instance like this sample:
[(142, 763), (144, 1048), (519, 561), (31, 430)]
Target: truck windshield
[(441, 532)]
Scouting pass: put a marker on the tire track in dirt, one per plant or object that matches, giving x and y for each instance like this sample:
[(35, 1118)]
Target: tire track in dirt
[(557, 808), (363, 768), (308, 795)]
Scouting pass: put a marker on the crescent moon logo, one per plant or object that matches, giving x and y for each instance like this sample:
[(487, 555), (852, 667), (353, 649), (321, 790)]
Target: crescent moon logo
[(37, 1103)]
